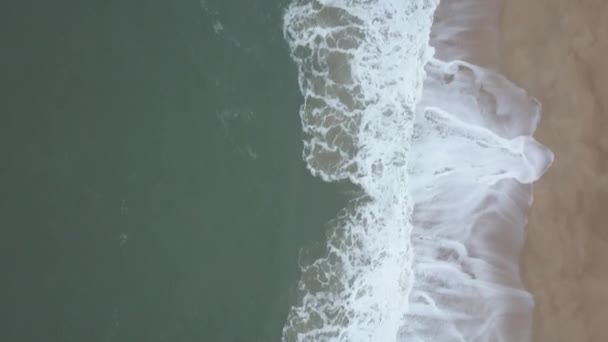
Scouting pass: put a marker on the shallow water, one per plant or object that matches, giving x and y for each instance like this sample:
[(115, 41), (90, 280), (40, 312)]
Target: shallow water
[(152, 157)]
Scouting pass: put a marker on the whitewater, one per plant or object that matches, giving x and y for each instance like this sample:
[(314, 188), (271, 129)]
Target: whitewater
[(440, 146)]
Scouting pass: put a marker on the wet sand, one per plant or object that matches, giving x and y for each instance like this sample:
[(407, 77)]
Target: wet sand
[(558, 51)]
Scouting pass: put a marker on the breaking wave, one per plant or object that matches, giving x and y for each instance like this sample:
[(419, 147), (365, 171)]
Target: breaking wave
[(443, 154)]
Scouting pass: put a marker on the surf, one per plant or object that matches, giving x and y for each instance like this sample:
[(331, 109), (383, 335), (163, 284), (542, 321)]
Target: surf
[(443, 154)]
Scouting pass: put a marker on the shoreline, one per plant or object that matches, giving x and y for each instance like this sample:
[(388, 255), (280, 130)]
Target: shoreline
[(557, 54), (468, 31)]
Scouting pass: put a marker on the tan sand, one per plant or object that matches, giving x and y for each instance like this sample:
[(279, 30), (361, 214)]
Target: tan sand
[(558, 51)]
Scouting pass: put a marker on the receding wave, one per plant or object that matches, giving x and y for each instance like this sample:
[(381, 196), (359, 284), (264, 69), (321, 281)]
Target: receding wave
[(443, 153)]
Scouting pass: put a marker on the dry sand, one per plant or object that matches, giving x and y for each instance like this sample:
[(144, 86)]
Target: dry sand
[(558, 51)]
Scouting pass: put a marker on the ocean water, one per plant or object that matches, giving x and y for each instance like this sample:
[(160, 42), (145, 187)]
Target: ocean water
[(268, 170), (152, 186)]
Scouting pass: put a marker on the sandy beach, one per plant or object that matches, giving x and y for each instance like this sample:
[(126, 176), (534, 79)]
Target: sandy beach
[(557, 50)]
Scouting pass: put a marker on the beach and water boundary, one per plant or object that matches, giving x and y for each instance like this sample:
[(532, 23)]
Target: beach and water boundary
[(154, 184)]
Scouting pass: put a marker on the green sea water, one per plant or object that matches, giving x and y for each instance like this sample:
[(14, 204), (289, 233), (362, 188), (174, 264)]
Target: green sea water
[(151, 179)]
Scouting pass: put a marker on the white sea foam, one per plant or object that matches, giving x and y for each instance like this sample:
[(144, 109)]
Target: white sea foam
[(443, 154)]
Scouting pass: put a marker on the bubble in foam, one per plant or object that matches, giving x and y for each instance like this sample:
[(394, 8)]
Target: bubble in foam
[(444, 156)]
